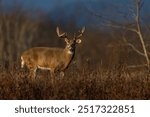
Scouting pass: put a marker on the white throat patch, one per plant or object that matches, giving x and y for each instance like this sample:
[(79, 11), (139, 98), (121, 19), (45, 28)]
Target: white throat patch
[(69, 52)]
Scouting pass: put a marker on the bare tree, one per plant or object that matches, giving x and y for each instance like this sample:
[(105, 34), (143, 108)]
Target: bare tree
[(138, 31), (133, 26)]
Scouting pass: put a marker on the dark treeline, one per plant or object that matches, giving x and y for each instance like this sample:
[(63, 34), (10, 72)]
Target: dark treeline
[(20, 31)]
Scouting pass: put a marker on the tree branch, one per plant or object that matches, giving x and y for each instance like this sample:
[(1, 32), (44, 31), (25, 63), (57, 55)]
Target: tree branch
[(133, 47)]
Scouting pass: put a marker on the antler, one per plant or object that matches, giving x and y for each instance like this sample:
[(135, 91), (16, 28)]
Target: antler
[(81, 33), (63, 35)]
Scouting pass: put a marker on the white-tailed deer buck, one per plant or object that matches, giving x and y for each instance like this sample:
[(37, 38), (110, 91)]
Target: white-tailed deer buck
[(53, 59)]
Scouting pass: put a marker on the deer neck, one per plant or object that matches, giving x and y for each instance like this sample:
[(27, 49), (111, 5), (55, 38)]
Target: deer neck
[(69, 53)]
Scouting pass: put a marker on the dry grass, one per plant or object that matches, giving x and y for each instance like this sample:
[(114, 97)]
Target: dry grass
[(77, 84)]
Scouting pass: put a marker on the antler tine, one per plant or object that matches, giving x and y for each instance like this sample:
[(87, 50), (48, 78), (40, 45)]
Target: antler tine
[(81, 32), (83, 29), (63, 35)]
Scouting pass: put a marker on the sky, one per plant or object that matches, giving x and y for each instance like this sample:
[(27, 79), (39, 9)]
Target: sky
[(46, 3), (51, 4), (78, 9)]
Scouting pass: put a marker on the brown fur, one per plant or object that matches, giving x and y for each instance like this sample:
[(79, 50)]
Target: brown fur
[(47, 57), (53, 59)]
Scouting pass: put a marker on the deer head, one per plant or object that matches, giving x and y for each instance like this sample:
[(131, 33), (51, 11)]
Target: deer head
[(71, 42)]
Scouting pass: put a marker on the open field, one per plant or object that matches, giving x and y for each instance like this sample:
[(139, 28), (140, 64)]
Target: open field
[(98, 71), (87, 83)]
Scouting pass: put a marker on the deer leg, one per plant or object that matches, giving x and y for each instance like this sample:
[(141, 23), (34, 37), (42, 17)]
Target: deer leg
[(32, 68), (33, 72)]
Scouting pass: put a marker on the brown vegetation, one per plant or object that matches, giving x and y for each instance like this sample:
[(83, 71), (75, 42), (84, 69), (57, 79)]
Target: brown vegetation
[(99, 70), (86, 83)]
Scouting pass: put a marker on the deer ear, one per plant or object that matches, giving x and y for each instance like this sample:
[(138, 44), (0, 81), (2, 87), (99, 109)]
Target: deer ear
[(78, 41)]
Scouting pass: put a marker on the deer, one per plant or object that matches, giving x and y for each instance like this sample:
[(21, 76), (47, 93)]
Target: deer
[(54, 59)]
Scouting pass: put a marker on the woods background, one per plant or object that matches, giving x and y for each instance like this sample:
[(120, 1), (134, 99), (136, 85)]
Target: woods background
[(106, 65)]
